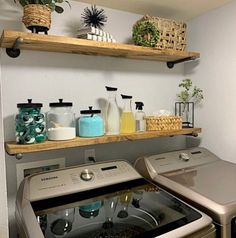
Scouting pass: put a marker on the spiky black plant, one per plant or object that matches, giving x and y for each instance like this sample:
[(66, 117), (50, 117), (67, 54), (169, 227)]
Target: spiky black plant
[(94, 17)]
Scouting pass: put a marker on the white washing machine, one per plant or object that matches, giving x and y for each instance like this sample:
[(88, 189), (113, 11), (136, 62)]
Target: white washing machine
[(103, 200), (199, 177)]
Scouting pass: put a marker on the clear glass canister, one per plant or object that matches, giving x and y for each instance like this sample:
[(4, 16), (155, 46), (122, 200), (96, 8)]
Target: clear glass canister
[(61, 121), (30, 123), (112, 113)]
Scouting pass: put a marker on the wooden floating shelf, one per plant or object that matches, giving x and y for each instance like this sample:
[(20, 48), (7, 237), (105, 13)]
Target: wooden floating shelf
[(12, 148), (51, 43)]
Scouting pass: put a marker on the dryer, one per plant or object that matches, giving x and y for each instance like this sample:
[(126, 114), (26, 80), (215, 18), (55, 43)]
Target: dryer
[(200, 178), (107, 200)]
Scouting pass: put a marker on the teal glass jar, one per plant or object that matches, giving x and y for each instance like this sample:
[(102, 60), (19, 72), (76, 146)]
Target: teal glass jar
[(30, 123), (91, 123)]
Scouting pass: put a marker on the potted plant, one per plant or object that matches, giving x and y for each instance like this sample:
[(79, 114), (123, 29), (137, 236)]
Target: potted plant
[(188, 96), (37, 13)]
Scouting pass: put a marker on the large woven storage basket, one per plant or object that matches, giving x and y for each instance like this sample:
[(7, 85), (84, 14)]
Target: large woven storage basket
[(172, 33), (163, 123), (37, 15)]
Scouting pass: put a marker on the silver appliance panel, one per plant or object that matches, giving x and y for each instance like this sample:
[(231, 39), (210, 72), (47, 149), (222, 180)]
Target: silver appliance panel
[(199, 177)]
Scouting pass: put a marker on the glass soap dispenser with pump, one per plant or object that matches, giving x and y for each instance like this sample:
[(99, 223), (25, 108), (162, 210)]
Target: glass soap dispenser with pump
[(140, 117), (127, 116)]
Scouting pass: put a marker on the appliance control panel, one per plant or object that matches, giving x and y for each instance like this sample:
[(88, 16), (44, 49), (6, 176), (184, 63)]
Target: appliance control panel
[(178, 160), (78, 179)]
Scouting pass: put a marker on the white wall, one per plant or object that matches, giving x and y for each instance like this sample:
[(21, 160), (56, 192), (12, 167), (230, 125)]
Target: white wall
[(3, 189), (45, 77), (214, 36)]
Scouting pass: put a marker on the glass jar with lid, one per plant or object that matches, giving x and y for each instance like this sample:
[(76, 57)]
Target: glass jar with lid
[(91, 123), (61, 121), (30, 123)]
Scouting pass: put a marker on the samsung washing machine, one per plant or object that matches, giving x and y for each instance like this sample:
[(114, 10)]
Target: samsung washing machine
[(103, 200), (199, 177)]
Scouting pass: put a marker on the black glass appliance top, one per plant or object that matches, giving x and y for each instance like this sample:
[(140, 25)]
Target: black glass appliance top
[(126, 210)]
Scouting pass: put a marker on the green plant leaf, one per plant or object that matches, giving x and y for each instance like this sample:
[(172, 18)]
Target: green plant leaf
[(46, 2), (23, 2), (52, 6), (50, 3), (188, 93)]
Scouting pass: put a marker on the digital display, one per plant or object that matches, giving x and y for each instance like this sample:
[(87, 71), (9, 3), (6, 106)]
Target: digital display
[(108, 168), (196, 152)]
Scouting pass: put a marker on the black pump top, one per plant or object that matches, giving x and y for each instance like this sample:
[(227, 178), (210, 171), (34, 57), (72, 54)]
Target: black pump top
[(90, 111), (126, 96), (111, 88), (29, 104), (139, 105), (60, 104)]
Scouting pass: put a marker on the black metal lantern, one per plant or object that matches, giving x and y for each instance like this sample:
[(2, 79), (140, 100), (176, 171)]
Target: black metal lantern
[(186, 111)]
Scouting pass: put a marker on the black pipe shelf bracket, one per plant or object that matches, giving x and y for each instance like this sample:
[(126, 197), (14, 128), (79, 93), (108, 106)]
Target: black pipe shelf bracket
[(14, 52), (19, 156), (194, 134), (171, 64)]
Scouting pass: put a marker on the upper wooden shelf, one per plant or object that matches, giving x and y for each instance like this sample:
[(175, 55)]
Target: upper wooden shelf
[(30, 41), (13, 149)]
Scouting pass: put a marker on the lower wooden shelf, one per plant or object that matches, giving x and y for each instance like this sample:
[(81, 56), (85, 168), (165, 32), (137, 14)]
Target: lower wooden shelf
[(13, 149)]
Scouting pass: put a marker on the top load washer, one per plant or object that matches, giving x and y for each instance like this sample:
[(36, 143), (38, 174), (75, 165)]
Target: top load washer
[(103, 200), (199, 177)]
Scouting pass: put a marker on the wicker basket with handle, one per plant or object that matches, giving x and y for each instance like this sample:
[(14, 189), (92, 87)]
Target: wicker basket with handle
[(172, 33), (37, 16), (163, 123)]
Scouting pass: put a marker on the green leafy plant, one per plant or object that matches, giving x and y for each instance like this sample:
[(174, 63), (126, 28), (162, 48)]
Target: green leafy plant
[(52, 4), (189, 92)]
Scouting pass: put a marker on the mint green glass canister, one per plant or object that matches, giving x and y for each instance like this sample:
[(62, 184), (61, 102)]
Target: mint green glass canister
[(30, 123)]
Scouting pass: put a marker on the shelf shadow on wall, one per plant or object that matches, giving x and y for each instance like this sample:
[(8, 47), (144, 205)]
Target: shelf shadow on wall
[(46, 60)]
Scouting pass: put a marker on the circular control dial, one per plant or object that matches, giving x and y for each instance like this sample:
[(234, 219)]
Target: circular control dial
[(86, 175), (184, 156)]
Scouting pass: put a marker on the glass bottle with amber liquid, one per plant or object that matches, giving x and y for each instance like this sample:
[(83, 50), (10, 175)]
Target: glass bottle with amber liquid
[(127, 117)]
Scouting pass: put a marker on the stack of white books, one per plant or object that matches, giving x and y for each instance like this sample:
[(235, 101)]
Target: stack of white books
[(93, 33)]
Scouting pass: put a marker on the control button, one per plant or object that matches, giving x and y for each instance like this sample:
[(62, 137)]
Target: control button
[(184, 156), (86, 175)]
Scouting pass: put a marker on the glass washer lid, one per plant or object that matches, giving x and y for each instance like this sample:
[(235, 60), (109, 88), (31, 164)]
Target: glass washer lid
[(131, 209)]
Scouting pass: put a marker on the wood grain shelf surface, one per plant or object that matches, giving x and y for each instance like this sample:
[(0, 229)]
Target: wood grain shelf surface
[(65, 44), (12, 148)]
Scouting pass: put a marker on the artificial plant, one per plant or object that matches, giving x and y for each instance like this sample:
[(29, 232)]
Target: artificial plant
[(188, 96), (94, 17), (52, 4), (189, 92)]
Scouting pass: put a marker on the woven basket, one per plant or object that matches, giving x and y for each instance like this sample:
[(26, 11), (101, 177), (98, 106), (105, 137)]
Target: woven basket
[(172, 33), (163, 123), (37, 15)]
